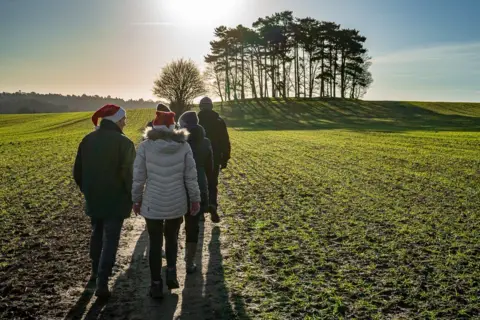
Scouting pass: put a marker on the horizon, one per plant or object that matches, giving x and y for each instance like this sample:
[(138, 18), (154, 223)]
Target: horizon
[(217, 99), (425, 51)]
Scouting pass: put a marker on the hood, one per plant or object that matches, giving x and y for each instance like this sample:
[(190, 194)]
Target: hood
[(197, 134), (208, 115), (166, 141)]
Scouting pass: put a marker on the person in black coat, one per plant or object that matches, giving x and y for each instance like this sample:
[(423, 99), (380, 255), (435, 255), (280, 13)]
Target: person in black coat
[(216, 131), (103, 171), (203, 155)]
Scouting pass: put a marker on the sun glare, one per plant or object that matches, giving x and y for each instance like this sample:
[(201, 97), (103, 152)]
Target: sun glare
[(198, 11)]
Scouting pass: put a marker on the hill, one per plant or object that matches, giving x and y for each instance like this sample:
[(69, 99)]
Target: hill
[(331, 209), (298, 114)]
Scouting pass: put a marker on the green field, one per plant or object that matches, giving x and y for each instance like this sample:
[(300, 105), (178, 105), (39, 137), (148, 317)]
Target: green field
[(334, 209)]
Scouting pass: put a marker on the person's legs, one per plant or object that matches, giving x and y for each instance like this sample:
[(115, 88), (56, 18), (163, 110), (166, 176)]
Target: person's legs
[(96, 245), (213, 186), (213, 194), (155, 233), (191, 231), (172, 228), (111, 237), (192, 227)]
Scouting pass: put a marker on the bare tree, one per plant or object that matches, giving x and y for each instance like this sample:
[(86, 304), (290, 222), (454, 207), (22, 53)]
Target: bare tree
[(179, 82), (214, 80)]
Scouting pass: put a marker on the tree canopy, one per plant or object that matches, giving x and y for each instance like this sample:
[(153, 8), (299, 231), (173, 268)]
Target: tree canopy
[(179, 82), (284, 56)]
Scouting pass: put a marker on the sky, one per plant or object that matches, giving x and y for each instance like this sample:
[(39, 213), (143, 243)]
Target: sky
[(422, 49)]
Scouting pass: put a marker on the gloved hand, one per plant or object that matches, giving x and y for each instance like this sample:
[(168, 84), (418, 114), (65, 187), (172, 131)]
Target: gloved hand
[(194, 208), (136, 208)]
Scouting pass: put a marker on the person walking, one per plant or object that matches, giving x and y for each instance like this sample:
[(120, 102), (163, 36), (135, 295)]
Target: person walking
[(164, 173), (164, 108), (103, 172), (160, 107), (203, 156), (216, 132)]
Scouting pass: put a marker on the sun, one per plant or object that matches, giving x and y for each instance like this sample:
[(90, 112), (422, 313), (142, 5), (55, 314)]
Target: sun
[(195, 12)]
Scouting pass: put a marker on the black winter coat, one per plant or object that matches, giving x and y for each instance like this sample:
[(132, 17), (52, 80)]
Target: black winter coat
[(216, 131), (103, 170), (203, 155)]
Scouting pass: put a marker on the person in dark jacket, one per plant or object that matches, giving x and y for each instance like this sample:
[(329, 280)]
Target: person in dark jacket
[(203, 155), (216, 131), (103, 171)]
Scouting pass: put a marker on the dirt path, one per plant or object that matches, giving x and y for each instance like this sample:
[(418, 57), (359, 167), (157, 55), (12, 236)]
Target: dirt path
[(202, 295)]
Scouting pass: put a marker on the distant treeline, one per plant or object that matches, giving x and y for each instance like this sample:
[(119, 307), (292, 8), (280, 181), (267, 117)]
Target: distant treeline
[(22, 102)]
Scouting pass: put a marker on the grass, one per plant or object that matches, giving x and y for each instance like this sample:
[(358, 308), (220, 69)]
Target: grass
[(333, 209), (359, 222)]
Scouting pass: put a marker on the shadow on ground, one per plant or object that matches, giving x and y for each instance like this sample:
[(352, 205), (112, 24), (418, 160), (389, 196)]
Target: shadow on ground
[(315, 114), (204, 295), (213, 301)]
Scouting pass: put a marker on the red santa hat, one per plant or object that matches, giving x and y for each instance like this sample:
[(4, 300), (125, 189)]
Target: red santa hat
[(110, 112), (164, 121)]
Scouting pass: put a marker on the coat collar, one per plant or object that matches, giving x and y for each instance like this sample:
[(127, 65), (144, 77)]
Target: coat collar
[(109, 125)]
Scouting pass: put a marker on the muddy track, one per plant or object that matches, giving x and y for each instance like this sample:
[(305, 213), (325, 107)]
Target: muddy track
[(203, 295)]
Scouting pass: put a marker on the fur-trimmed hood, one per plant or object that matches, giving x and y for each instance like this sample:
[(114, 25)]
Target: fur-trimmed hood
[(165, 141), (175, 135)]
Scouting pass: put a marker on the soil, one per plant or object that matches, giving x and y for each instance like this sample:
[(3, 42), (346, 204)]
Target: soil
[(202, 295)]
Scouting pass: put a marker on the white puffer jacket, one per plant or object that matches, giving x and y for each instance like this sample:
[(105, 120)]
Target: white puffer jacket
[(164, 170)]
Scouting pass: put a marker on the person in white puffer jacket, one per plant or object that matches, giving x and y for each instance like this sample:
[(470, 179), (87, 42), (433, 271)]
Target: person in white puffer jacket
[(164, 180)]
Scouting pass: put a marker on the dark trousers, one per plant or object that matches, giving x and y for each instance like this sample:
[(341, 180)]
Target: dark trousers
[(213, 186), (192, 226), (155, 233), (103, 246)]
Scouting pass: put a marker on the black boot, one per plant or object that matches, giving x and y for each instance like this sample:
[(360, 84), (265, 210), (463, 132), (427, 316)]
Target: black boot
[(214, 214), (191, 250), (102, 291), (172, 281), (94, 273), (156, 290)]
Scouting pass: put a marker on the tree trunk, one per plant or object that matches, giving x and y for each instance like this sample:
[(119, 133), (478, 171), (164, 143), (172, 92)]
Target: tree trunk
[(297, 75), (254, 89), (310, 71), (335, 73), (227, 75), (259, 73), (322, 79), (284, 89), (342, 74), (243, 73), (304, 76), (265, 71), (235, 76), (272, 70), (219, 86)]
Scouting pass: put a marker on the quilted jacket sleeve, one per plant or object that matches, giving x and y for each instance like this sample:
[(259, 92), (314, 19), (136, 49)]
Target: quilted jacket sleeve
[(139, 174), (190, 176)]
